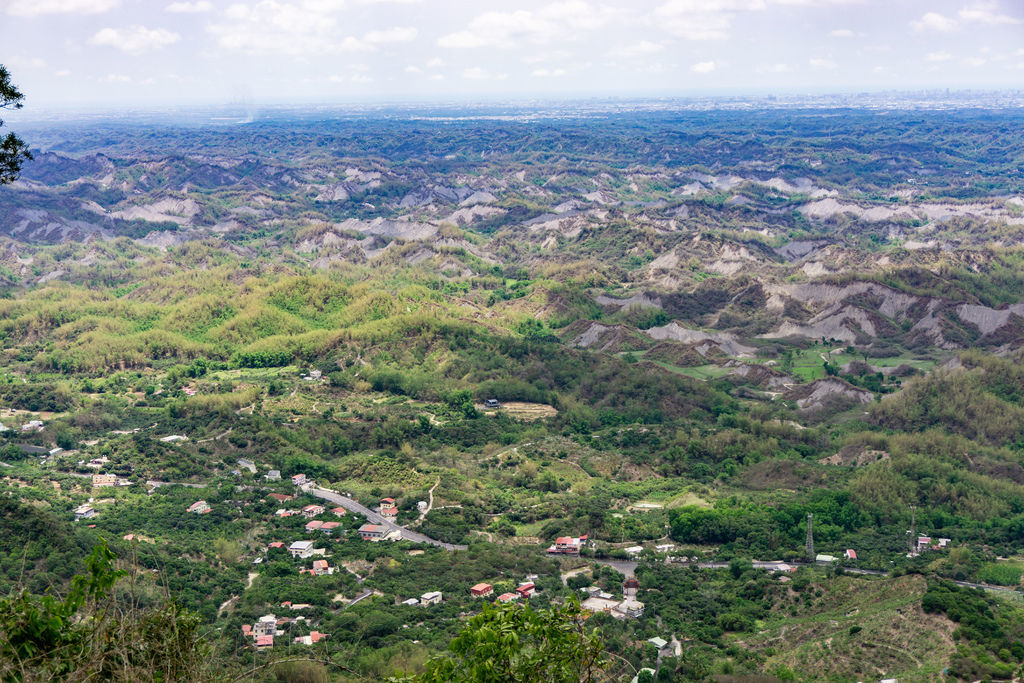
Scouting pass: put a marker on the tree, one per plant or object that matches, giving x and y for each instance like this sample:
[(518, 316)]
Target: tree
[(516, 644), (13, 150)]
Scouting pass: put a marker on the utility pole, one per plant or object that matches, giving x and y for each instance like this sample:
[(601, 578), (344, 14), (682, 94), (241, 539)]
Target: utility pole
[(913, 527), (810, 537)]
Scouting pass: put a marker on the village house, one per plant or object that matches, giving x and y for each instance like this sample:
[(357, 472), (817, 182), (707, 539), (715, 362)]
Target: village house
[(411, 602), (338, 512), (312, 511), (281, 512), (84, 512), (265, 626), (526, 589), (321, 568), (101, 480), (199, 507), (264, 643), (567, 545), (301, 549), (281, 497), (273, 475), (313, 525), (275, 544), (329, 527), (481, 590), (388, 508), (508, 597), (850, 554), (313, 638), (372, 532), (431, 598), (824, 559), (97, 463), (299, 479)]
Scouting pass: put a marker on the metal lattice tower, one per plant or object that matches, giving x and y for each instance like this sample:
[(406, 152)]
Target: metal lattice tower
[(810, 537)]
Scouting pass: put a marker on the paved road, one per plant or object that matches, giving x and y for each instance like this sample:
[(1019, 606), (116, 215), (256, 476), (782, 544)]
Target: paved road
[(375, 518), (628, 568)]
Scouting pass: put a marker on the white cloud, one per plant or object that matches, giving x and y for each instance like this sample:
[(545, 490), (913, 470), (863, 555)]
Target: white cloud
[(434, 62), (398, 34), (702, 19), (558, 21), (938, 57), (986, 13), (975, 61), (703, 67), (475, 73), (135, 39), (644, 47), (297, 27), (773, 69), (190, 7), (20, 62), (116, 78), (412, 69), (62, 73), (841, 33), (821, 63), (933, 21), (31, 8), (549, 73)]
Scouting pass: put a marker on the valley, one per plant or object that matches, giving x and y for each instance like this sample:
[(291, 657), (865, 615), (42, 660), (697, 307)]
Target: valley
[(436, 352)]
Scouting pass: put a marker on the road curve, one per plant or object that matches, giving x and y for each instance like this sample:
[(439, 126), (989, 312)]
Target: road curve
[(375, 518)]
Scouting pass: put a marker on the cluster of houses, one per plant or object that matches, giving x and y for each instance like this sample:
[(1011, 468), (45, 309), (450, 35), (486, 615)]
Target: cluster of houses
[(269, 626), (601, 601), (524, 590), (926, 543), (429, 598)]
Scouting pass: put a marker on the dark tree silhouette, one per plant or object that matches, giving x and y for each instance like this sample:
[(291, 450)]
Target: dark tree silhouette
[(13, 150)]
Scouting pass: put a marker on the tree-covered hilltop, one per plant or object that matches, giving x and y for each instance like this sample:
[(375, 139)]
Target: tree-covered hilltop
[(699, 328)]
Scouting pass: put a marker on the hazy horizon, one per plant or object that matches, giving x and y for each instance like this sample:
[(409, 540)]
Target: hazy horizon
[(103, 54)]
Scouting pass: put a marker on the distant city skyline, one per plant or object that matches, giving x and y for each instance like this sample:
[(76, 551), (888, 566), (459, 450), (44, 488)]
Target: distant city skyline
[(109, 53)]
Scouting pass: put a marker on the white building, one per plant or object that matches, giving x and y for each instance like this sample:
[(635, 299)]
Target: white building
[(431, 598), (301, 548)]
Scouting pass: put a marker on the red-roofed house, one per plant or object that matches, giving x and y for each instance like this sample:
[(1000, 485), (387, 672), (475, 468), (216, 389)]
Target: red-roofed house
[(567, 545), (481, 590), (281, 497), (388, 508), (372, 532), (312, 511), (850, 554), (247, 630), (508, 597), (275, 544), (328, 527), (526, 589), (199, 507), (264, 642), (313, 524), (320, 568), (313, 638), (338, 512)]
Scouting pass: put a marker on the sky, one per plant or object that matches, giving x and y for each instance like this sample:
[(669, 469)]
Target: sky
[(97, 53)]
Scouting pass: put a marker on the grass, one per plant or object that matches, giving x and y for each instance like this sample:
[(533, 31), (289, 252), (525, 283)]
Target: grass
[(857, 629)]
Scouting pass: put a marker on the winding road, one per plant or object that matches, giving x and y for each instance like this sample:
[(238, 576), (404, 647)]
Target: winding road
[(375, 518)]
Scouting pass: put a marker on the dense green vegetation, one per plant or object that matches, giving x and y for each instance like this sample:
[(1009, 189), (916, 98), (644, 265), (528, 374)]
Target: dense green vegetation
[(690, 359)]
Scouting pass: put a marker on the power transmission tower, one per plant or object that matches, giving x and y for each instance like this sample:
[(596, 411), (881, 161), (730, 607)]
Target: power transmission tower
[(810, 537)]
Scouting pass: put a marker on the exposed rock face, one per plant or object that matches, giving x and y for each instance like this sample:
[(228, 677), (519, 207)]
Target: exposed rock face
[(819, 393), (727, 342)]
